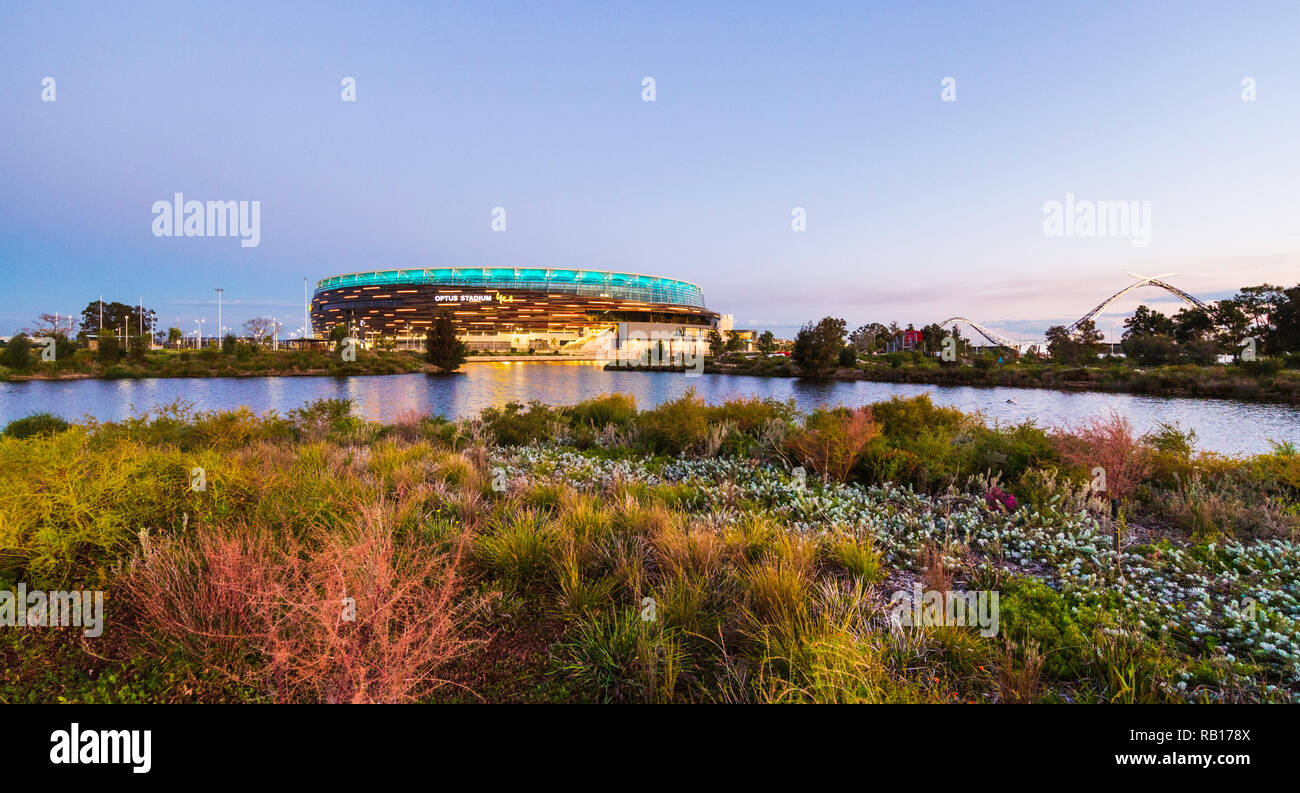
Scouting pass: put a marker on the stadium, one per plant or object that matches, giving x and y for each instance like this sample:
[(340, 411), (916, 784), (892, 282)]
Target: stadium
[(501, 309)]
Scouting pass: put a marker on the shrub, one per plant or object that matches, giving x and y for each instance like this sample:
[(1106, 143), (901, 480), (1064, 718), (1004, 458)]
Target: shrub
[(622, 658), (857, 555), (1029, 610), (35, 424), (518, 547), (513, 426), (17, 354), (619, 409), (833, 441), (1108, 443), (345, 617), (675, 427)]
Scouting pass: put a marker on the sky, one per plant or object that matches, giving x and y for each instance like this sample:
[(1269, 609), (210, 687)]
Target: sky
[(916, 209)]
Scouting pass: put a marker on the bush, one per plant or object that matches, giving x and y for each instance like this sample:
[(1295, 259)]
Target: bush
[(618, 409), (17, 354), (675, 427), (354, 616), (1030, 610), (513, 426), (833, 441), (36, 424)]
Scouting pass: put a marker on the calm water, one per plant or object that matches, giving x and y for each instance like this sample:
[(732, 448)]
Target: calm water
[(1221, 425)]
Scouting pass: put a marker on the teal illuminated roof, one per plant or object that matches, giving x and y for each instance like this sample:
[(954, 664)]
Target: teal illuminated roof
[(620, 286)]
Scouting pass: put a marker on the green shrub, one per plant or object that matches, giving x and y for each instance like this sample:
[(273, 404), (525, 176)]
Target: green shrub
[(514, 426), (36, 424), (620, 657), (1030, 610), (675, 427), (619, 409)]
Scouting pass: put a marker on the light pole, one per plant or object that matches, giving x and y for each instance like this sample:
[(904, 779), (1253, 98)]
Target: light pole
[(219, 326)]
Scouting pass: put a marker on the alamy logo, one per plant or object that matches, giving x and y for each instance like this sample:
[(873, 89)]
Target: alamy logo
[(92, 747), (1085, 218), (58, 609), (934, 608), (181, 218)]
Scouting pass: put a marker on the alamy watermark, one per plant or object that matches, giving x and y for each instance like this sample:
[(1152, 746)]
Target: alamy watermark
[(1085, 218), (932, 608), (20, 608), (75, 746), (658, 347), (181, 218)]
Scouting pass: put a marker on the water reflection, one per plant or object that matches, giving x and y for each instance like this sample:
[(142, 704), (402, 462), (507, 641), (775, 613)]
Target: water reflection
[(1221, 425)]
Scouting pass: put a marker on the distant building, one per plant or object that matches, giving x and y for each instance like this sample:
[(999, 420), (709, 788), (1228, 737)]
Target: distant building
[(499, 309)]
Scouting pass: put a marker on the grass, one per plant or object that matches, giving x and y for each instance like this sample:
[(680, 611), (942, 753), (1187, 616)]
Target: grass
[(608, 554)]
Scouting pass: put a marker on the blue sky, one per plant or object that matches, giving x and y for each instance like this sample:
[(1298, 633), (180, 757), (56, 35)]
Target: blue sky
[(917, 209)]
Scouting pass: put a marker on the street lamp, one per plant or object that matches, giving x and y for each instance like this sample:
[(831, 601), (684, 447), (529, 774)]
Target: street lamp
[(220, 328)]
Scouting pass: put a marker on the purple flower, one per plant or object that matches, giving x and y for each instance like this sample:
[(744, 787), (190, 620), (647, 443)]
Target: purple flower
[(999, 500)]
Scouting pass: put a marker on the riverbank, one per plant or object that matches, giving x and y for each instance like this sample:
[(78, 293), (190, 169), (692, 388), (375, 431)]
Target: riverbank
[(688, 553), (263, 363), (211, 363), (1214, 382)]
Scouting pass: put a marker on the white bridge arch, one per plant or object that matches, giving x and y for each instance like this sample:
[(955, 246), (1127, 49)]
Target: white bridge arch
[(1142, 280)]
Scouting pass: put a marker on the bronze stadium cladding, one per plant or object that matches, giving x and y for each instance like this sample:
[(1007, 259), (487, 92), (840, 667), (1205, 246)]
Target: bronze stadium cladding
[(475, 309)]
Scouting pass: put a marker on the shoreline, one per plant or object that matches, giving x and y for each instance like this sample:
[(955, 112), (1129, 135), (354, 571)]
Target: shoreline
[(363, 369), (1244, 389)]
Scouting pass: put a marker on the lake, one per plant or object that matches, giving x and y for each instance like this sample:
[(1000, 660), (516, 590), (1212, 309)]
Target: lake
[(1225, 426)]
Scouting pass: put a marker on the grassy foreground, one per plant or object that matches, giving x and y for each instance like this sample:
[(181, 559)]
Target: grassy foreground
[(689, 553)]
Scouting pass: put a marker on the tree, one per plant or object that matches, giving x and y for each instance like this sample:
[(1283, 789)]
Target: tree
[(116, 317), (817, 347), (17, 354), (442, 348), (260, 328), (1232, 324), (867, 338), (1088, 338), (1192, 324), (716, 345), (1146, 322), (1286, 323), (339, 334), (932, 337), (52, 324), (766, 342), (139, 345), (174, 335), (108, 350), (1061, 347), (1149, 338)]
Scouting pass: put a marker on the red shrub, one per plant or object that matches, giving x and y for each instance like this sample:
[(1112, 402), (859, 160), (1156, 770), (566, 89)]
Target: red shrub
[(833, 441), (1111, 444), (270, 611)]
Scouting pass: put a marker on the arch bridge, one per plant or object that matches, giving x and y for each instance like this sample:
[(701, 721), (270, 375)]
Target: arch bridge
[(1142, 280)]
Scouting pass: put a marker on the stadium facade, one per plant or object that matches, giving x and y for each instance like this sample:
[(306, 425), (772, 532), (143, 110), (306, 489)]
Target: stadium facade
[(502, 309)]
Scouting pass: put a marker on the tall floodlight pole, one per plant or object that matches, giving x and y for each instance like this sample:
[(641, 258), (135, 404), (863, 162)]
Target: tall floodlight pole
[(306, 309), (101, 315), (220, 328)]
